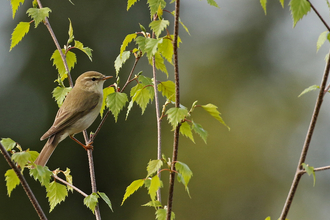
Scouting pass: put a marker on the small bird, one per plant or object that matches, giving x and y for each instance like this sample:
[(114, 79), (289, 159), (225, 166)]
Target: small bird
[(78, 111)]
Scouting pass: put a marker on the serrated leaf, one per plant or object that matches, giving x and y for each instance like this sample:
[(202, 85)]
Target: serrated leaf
[(33, 155), (68, 178), (185, 171), (176, 115), (135, 185), (320, 41), (86, 50), (56, 193), (299, 8), (148, 45), (309, 171), (91, 201), (155, 204), (142, 97), (154, 166), (71, 60), (38, 14), (12, 181), (59, 94), (167, 89), (185, 130), (116, 102), (155, 184), (120, 60), (15, 4), (42, 174), (263, 5), (8, 143), (105, 199), (212, 110), (70, 32), (128, 39), (309, 89), (165, 48), (21, 158), (161, 214), (154, 5), (19, 32), (200, 131), (158, 26), (106, 91), (130, 3), (129, 107)]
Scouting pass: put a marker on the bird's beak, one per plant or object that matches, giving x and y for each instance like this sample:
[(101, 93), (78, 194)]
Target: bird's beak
[(107, 77)]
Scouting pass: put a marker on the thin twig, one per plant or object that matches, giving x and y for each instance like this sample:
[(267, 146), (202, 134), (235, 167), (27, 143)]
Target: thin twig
[(317, 169), (24, 183), (318, 14), (177, 105), (308, 139), (69, 184), (131, 73)]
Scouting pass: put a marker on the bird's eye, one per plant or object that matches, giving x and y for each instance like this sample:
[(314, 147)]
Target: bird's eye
[(93, 79)]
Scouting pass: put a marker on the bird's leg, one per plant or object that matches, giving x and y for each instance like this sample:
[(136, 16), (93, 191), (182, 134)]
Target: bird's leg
[(86, 147)]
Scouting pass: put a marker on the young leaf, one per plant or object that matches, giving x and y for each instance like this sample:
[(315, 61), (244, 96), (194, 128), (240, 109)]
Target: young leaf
[(135, 185), (155, 204), (86, 50), (33, 155), (152, 46), (299, 8), (129, 107), (105, 199), (212, 110), (70, 32), (142, 97), (184, 26), (166, 49), (167, 89), (19, 32), (42, 174), (59, 94), (91, 201), (161, 214), (106, 91), (159, 61), (185, 130), (38, 14), (320, 41), (154, 166), (200, 131), (21, 158), (309, 171), (309, 89), (8, 143), (120, 60), (56, 193), (185, 171), (263, 4), (128, 39), (71, 60), (154, 5), (11, 181), (116, 102), (130, 3), (176, 115), (213, 3), (155, 184), (15, 4), (68, 178), (282, 3), (158, 26)]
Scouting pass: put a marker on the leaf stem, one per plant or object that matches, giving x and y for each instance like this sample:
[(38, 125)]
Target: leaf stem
[(24, 183)]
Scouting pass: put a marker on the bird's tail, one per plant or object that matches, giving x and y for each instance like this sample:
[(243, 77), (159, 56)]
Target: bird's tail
[(47, 151)]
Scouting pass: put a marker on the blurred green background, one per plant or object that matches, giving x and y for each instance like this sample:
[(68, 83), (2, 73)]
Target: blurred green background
[(252, 66)]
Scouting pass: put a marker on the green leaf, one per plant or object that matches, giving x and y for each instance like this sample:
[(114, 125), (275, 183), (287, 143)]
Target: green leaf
[(120, 60), (155, 204), (185, 130), (59, 94), (212, 110), (128, 39), (142, 97), (148, 45), (159, 62), (8, 143), (91, 201), (38, 14), (309, 171), (268, 218), (282, 3), (155, 184), (68, 178), (70, 32), (200, 131), (154, 166), (185, 172), (21, 158), (158, 26), (129, 107), (42, 174), (105, 199), (86, 50), (309, 89), (213, 3), (71, 60), (176, 115), (33, 155), (116, 102), (320, 41), (167, 89), (130, 3), (15, 4), (184, 26), (11, 181), (299, 8), (19, 32), (56, 193), (135, 185), (106, 91), (165, 48), (161, 214), (154, 5), (263, 4)]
